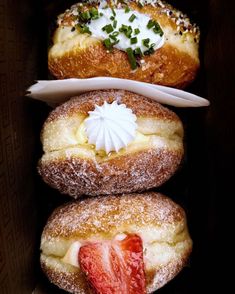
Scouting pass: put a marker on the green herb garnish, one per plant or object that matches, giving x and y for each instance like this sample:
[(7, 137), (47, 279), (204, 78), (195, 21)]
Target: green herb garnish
[(107, 43), (146, 42), (113, 11), (138, 51), (151, 24), (150, 50), (134, 40), (85, 16), (136, 31), (127, 30), (84, 29), (112, 17), (131, 58), (157, 29), (115, 23), (94, 13), (114, 35), (132, 18), (108, 28), (127, 9)]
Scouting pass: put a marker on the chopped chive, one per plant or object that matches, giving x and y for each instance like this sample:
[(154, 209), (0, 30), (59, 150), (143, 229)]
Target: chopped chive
[(112, 17), (115, 34), (123, 28), (132, 17), (157, 29), (140, 4), (115, 23), (101, 14), (85, 15), (136, 31), (151, 24), (115, 42), (113, 11), (84, 29), (94, 13), (131, 58), (113, 37), (127, 9), (108, 28), (146, 42), (107, 43), (134, 40), (149, 51), (127, 30), (138, 51)]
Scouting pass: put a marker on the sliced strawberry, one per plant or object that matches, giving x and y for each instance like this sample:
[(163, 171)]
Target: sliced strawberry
[(114, 267)]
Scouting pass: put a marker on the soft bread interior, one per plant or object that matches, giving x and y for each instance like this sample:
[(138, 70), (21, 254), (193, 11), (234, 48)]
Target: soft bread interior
[(66, 136)]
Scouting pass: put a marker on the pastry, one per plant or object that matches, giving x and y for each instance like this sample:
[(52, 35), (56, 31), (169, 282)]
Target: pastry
[(110, 142), (148, 41), (133, 243)]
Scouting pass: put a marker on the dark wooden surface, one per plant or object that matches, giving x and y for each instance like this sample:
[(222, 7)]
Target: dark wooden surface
[(202, 186)]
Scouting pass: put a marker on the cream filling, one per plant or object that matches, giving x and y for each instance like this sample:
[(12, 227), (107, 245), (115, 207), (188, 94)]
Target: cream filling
[(66, 137), (159, 246)]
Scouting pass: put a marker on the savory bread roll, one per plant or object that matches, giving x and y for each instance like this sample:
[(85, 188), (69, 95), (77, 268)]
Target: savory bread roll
[(139, 40), (75, 167), (79, 229)]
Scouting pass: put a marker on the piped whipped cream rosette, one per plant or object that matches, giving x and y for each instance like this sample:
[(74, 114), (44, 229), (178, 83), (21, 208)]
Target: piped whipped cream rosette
[(110, 127)]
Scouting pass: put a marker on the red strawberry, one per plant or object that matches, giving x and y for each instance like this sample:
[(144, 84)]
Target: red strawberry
[(114, 267)]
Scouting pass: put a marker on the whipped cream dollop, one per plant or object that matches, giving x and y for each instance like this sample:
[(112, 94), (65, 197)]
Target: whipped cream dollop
[(110, 127)]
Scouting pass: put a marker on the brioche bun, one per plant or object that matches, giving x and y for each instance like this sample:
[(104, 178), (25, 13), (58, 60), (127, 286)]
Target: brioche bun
[(76, 168), (175, 64)]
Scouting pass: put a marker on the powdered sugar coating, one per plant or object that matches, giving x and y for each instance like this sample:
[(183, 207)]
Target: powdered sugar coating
[(146, 166), (140, 105), (104, 218), (138, 171), (103, 215)]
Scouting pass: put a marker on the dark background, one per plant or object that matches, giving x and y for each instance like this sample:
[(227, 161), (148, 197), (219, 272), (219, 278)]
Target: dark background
[(203, 185)]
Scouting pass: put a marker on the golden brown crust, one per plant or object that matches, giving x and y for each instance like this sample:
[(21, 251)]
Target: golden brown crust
[(172, 65), (130, 170), (104, 218), (106, 215), (138, 171), (167, 66)]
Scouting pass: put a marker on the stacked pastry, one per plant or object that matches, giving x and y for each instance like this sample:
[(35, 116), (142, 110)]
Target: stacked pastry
[(111, 143)]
